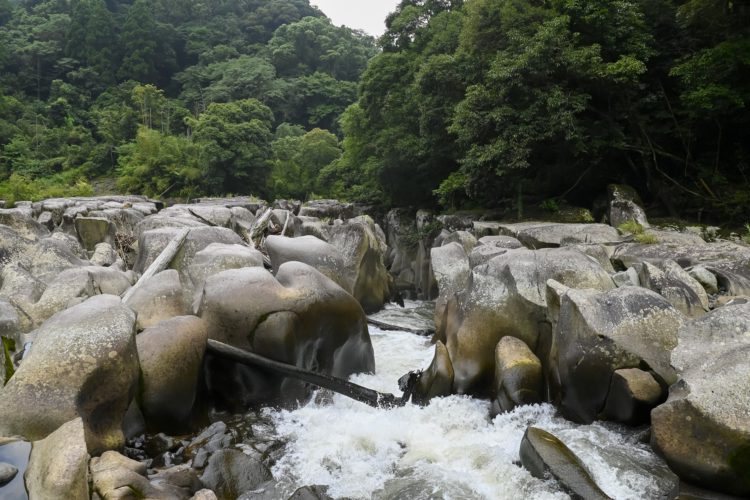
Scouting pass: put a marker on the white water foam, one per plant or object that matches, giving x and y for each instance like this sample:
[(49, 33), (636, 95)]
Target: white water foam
[(449, 449)]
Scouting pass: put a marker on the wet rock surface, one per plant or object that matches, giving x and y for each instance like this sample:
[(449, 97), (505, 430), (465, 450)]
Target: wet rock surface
[(573, 314)]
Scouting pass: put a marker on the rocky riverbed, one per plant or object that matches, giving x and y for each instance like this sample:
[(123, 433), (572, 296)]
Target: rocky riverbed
[(572, 352)]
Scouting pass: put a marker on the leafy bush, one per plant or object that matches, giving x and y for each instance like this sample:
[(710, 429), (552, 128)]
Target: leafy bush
[(631, 227), (20, 187), (646, 238)]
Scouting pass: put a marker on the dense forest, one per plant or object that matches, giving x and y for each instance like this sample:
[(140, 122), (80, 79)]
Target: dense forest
[(473, 103)]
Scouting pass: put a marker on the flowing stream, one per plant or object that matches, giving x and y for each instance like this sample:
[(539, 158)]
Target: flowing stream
[(450, 449)]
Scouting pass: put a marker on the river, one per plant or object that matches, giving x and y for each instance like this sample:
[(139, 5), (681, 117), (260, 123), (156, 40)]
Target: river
[(450, 449)]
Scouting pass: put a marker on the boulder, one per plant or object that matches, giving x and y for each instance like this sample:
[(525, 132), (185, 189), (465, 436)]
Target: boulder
[(505, 297), (218, 257), (550, 234), (518, 375), (328, 209), (22, 221), (59, 464), (299, 317), (597, 333), (437, 379), (464, 238), (151, 243), (45, 220), (171, 358), (428, 228), (104, 255), (452, 270), (312, 226), (632, 395), (627, 278), (83, 363), (483, 229), (484, 253), (94, 230), (363, 248), (71, 287), (230, 473), (500, 241), (158, 298), (312, 251), (543, 455), (116, 476), (703, 430), (401, 236), (10, 324), (673, 283), (179, 481), (14, 455), (706, 278), (7, 473), (19, 286), (625, 206), (729, 262)]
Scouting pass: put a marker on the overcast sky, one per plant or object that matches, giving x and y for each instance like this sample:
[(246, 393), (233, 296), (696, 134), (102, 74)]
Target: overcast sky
[(367, 15)]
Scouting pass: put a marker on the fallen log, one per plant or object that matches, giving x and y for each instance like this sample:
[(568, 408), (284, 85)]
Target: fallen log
[(161, 262), (425, 332), (341, 386)]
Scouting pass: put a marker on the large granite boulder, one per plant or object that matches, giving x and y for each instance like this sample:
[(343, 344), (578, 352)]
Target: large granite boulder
[(518, 375), (362, 245), (171, 357), (83, 363), (312, 251), (452, 270), (506, 297), (625, 206), (401, 236), (94, 230), (673, 283), (299, 317), (703, 429), (152, 243), (596, 333), (553, 234), (22, 221), (729, 262), (218, 257), (59, 464), (158, 298), (328, 209)]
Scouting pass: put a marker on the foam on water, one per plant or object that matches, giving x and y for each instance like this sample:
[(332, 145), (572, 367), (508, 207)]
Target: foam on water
[(449, 449)]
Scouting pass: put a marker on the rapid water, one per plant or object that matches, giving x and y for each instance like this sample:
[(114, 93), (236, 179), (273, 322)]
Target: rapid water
[(450, 449)]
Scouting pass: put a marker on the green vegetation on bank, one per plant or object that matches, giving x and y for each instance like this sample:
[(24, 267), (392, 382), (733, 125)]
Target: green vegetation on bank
[(467, 103), (174, 98)]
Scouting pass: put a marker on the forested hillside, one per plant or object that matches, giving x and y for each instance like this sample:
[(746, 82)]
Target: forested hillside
[(172, 97), (473, 103), (480, 100)]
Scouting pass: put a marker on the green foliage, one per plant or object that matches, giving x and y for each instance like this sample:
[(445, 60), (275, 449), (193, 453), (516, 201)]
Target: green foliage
[(639, 233), (631, 227), (746, 236), (298, 161), (19, 187), (105, 87), (646, 239), (550, 205), (7, 346)]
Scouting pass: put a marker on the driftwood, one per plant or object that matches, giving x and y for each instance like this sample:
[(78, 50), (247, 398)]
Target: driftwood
[(386, 326), (255, 235), (341, 386), (286, 222), (161, 262)]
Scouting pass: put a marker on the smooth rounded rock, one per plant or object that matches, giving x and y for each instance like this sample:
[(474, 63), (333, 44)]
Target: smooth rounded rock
[(83, 363)]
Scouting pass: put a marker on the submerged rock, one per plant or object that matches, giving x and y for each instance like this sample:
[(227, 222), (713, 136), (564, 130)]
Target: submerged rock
[(544, 455), (436, 380)]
